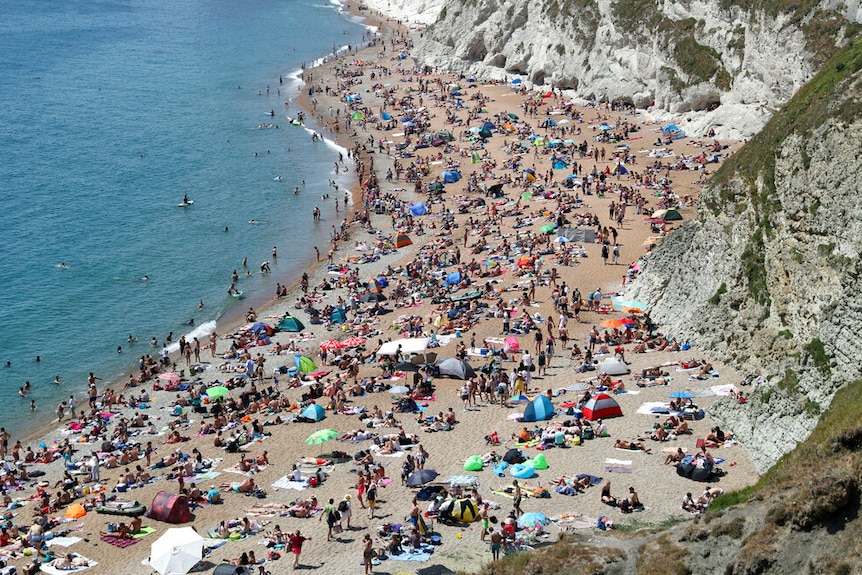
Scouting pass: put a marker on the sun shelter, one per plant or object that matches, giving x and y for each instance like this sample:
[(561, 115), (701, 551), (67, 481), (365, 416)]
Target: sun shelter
[(314, 412), (409, 346), (418, 209), (614, 366), (539, 409), (668, 215), (304, 364), (338, 316), (451, 176), (290, 323), (75, 511), (454, 367), (170, 508), (402, 240), (602, 406), (463, 510)]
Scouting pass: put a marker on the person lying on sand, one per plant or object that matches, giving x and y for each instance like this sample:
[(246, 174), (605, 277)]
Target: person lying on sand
[(632, 445)]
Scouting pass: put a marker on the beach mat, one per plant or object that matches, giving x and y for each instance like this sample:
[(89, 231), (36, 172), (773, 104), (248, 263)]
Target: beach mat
[(120, 542), (144, 532)]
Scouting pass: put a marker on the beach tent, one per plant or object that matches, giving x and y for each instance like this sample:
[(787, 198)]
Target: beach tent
[(463, 510), (601, 406), (485, 133), (614, 366), (290, 323), (314, 412), (304, 364), (445, 135), (170, 508), (620, 170), (402, 240), (451, 176), (673, 132), (454, 367), (261, 328), (409, 346), (386, 116), (560, 165), (511, 344), (549, 123), (539, 409), (666, 215), (418, 209), (453, 278), (338, 316), (75, 511)]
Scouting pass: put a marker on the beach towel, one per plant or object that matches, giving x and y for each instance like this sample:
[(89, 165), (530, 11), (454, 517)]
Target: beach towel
[(144, 532), (63, 541), (653, 407), (461, 480), (54, 571), (120, 542), (594, 479), (613, 469), (612, 461), (287, 483), (421, 554)]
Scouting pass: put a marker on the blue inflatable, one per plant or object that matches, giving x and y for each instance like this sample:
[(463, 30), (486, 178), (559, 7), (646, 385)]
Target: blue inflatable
[(521, 471), (500, 469)]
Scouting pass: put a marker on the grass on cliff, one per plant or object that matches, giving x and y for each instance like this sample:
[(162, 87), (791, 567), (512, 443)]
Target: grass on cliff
[(840, 428)]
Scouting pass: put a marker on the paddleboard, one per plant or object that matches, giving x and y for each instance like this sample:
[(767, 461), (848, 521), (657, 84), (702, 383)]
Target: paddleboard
[(185, 204)]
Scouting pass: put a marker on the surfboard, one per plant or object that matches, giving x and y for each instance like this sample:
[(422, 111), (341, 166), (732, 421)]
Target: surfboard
[(185, 204)]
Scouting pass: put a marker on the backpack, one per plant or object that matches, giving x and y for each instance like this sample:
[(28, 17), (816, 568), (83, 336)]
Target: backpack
[(342, 507)]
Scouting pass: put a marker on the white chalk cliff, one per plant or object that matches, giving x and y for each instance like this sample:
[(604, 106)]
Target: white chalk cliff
[(683, 58)]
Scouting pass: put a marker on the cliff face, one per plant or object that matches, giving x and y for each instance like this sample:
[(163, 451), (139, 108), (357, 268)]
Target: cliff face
[(745, 57), (768, 278)]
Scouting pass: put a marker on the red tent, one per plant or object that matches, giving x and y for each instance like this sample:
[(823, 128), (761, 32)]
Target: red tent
[(602, 406), (170, 508)]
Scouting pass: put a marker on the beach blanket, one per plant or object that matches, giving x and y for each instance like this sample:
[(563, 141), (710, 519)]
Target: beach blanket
[(46, 568), (575, 521), (594, 479), (206, 476), (615, 469), (421, 554), (612, 461), (287, 483), (725, 390), (144, 532), (120, 542), (63, 541), (461, 480)]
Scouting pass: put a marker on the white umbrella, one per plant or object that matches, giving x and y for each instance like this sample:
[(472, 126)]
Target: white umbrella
[(177, 551)]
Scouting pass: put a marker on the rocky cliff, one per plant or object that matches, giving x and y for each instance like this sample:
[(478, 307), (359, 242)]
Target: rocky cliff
[(726, 64), (769, 276)]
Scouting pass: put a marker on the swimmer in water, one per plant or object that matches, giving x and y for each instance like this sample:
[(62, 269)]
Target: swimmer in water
[(63, 266), (201, 305), (255, 222), (277, 178), (119, 349), (56, 380), (38, 359), (132, 339), (226, 229), (185, 198), (191, 322), (145, 278)]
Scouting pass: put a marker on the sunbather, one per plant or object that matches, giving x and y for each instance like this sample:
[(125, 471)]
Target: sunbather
[(632, 445)]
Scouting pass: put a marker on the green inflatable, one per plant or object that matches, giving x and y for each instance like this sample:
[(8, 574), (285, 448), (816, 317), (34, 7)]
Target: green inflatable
[(473, 463), (539, 462)]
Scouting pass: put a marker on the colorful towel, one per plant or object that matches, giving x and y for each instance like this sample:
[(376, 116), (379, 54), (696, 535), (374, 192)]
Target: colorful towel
[(120, 542), (144, 532)]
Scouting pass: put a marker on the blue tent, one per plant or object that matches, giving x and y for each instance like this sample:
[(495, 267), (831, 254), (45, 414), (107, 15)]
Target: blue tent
[(290, 323), (314, 411), (450, 176), (386, 116), (539, 409), (453, 278), (338, 316), (487, 125), (620, 170), (516, 81), (382, 282), (549, 123), (560, 165), (258, 328), (418, 209), (673, 132)]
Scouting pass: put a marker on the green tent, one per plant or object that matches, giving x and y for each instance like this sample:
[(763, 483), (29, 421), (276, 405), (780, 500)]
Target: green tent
[(290, 323), (357, 115)]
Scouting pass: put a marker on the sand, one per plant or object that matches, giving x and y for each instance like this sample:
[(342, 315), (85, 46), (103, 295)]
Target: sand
[(657, 484)]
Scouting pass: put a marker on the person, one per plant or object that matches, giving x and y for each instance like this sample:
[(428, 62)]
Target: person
[(296, 541), (367, 552), (213, 495), (332, 517), (486, 525), (516, 501), (688, 504), (606, 495), (344, 510), (631, 445), (371, 498), (496, 543), (675, 458)]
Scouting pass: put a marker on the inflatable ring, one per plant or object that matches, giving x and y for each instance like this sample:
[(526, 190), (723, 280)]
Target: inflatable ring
[(521, 471), (473, 463)]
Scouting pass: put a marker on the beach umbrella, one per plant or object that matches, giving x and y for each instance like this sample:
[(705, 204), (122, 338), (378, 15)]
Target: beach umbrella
[(217, 391), (170, 377), (561, 239), (681, 394), (547, 229), (314, 412), (421, 477), (612, 323), (177, 551), (632, 310), (531, 519), (354, 341), (563, 121), (516, 81), (332, 344), (304, 364), (398, 389), (321, 436)]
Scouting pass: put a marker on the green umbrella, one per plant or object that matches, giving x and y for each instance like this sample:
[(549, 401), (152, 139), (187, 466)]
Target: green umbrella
[(547, 229), (217, 391), (321, 436)]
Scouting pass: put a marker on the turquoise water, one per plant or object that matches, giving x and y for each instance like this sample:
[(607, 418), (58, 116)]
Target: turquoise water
[(111, 112)]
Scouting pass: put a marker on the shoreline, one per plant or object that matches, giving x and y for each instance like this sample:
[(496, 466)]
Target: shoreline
[(447, 450)]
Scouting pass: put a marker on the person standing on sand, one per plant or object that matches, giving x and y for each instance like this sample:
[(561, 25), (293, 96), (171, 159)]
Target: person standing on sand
[(516, 498), (367, 552), (329, 514), (296, 541), (496, 543)]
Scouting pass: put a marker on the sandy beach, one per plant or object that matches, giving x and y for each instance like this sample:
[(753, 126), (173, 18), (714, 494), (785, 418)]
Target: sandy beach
[(458, 227)]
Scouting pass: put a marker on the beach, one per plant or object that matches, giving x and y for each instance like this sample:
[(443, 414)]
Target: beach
[(495, 221)]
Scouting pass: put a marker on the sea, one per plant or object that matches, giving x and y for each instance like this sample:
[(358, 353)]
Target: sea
[(111, 112)]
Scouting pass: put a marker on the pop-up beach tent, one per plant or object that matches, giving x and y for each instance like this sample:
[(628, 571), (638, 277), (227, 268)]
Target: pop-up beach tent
[(290, 323), (614, 366), (668, 215), (454, 367), (170, 508), (602, 406), (539, 409)]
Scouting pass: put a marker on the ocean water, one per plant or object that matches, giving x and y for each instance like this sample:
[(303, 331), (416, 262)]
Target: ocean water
[(111, 112)]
